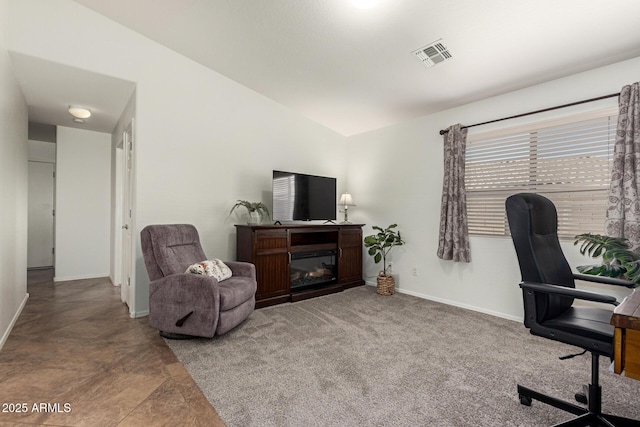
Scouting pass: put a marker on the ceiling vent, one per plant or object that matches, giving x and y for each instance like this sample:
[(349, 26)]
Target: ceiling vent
[(433, 53)]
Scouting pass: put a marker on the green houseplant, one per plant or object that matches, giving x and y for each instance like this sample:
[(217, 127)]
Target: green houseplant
[(256, 210), (618, 260), (379, 245)]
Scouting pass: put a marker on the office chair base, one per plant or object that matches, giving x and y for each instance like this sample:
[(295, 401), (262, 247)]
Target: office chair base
[(582, 398), (591, 416)]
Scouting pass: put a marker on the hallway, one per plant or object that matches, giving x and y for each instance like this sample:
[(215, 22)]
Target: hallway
[(76, 350)]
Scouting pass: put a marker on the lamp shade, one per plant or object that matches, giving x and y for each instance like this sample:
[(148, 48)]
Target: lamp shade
[(346, 200)]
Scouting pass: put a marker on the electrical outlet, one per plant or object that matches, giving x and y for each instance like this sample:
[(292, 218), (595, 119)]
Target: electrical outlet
[(414, 271), (390, 267)]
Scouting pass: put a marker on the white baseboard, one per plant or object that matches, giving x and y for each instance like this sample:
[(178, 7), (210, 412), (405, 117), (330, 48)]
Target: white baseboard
[(88, 276), (454, 303), (5, 336), (136, 314)]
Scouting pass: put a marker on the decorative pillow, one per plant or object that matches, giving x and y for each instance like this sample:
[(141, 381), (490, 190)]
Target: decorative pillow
[(213, 267)]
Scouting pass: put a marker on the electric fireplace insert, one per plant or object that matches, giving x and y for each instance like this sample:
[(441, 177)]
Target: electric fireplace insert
[(313, 268)]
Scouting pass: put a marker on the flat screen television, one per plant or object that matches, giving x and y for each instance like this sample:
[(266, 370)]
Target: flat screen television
[(302, 197)]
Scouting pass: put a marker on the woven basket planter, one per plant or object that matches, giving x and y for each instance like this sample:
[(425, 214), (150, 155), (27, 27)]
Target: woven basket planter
[(386, 284)]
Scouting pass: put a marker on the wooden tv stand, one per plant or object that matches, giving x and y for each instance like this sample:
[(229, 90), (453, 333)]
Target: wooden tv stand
[(275, 249)]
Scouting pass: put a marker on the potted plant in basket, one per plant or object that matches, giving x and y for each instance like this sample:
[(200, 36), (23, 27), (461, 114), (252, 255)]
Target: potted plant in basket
[(379, 246), (256, 210)]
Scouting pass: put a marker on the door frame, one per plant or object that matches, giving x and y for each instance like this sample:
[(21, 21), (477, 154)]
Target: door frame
[(124, 225), (117, 216)]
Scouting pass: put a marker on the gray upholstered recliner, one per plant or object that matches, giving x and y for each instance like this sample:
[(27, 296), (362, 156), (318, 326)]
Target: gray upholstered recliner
[(182, 304)]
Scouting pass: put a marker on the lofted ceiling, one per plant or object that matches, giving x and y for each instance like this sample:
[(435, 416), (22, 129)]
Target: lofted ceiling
[(351, 67)]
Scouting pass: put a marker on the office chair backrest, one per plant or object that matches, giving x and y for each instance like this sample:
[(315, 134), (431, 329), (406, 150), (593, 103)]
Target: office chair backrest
[(170, 249), (533, 222)]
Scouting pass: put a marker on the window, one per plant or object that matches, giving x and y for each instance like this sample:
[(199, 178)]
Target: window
[(568, 161)]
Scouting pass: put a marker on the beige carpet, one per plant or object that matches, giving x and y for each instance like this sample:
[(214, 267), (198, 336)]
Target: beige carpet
[(360, 359)]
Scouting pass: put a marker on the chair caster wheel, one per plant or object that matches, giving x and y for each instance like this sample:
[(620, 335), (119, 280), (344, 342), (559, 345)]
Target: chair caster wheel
[(582, 398), (525, 400)]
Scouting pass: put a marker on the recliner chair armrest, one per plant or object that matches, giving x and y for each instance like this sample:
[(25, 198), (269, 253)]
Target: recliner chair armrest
[(604, 280), (242, 269), (197, 286), (568, 292)]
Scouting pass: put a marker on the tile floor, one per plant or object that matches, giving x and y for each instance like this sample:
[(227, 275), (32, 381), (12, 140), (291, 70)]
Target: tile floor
[(75, 349)]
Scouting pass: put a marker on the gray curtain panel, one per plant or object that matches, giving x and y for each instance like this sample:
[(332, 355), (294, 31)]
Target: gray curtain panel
[(623, 213), (453, 241)]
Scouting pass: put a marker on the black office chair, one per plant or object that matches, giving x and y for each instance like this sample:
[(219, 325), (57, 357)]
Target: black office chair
[(548, 289)]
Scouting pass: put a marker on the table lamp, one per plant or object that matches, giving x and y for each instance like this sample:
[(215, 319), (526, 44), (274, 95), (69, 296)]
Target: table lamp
[(346, 200)]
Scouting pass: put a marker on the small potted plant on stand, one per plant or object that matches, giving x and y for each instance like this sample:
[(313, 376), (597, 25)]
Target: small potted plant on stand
[(379, 246), (256, 211)]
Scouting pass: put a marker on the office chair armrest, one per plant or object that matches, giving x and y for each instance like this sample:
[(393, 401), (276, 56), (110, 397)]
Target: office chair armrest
[(568, 292), (604, 280)]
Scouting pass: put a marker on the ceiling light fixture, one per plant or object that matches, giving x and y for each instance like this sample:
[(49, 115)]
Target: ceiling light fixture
[(79, 112)]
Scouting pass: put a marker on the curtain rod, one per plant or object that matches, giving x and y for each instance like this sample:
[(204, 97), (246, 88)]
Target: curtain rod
[(443, 131)]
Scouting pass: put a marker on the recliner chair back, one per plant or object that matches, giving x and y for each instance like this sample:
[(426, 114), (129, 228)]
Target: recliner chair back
[(173, 248), (533, 221)]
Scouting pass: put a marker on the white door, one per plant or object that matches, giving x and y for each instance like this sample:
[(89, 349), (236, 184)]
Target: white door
[(40, 215), (127, 165)]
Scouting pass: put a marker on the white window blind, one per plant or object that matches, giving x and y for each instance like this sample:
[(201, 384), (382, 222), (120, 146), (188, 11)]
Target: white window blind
[(570, 163)]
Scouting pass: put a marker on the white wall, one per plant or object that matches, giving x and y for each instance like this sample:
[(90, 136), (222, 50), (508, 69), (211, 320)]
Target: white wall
[(409, 191), (83, 204), (13, 189), (42, 151), (192, 164), (203, 141)]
